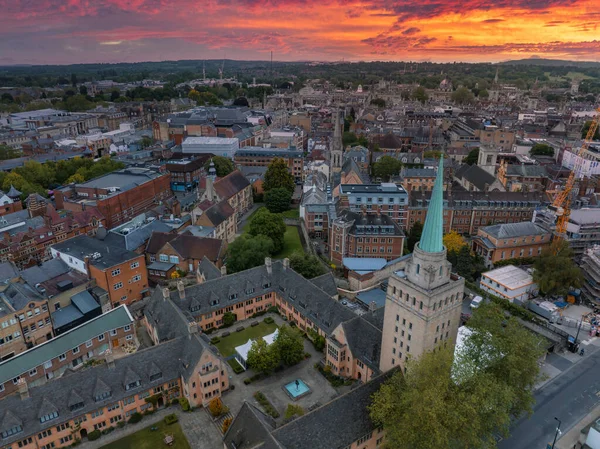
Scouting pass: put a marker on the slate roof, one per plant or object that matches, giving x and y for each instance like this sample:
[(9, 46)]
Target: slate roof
[(137, 237), (534, 171), (8, 271), (192, 247), (44, 272), (363, 335), (158, 240), (18, 295), (209, 269), (174, 358), (310, 300), (250, 429), (36, 356), (475, 175), (512, 230), (231, 184), (376, 223), (390, 140), (326, 282), (220, 212), (83, 245), (336, 424)]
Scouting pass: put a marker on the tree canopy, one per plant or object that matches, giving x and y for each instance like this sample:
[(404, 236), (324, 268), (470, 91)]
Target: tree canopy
[(269, 225), (307, 265), (223, 165), (278, 200), (420, 94), (462, 95), (262, 357), (414, 235), (7, 152), (472, 157), (386, 167), (556, 274), (541, 149), (247, 252), (289, 345), (453, 242), (459, 403), (278, 175)]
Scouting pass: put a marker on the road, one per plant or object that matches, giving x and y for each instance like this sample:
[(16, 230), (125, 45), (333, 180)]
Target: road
[(569, 397)]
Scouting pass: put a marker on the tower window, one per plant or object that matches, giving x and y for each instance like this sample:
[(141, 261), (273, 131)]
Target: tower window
[(441, 268), (418, 268)]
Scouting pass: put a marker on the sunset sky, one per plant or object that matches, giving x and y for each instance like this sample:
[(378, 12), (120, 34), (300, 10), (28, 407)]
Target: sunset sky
[(80, 31)]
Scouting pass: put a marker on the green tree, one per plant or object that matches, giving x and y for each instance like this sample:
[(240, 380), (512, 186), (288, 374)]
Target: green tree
[(228, 319), (7, 152), (307, 265), (420, 94), (556, 274), (223, 165), (349, 138), (278, 175), (289, 344), (379, 102), (194, 95), (270, 225), (462, 95), (146, 142), (262, 357), (586, 128), (414, 235), (7, 98), (464, 263), (278, 200), (77, 178), (541, 149), (114, 95), (483, 93), (386, 167), (472, 157), (83, 90), (247, 252)]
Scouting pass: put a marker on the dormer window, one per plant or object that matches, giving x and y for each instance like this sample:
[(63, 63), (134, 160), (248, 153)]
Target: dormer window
[(49, 417), (233, 296), (76, 406), (105, 395), (130, 386), (267, 285), (214, 302), (250, 291), (12, 431), (155, 376)]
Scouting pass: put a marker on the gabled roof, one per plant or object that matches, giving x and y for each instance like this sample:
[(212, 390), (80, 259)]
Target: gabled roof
[(537, 171), (231, 184), (131, 377), (100, 388), (74, 398), (10, 420), (47, 408), (326, 282), (512, 230), (158, 240), (363, 335), (220, 212), (208, 269), (192, 247), (475, 175)]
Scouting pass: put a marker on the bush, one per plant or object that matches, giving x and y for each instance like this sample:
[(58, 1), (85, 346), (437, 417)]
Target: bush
[(247, 381), (307, 355), (185, 404), (335, 381), (216, 407), (215, 340), (317, 340), (269, 320), (174, 401), (134, 418), (256, 377), (94, 435), (121, 424), (228, 319), (273, 309), (267, 406), (293, 410), (237, 369), (171, 419), (226, 424)]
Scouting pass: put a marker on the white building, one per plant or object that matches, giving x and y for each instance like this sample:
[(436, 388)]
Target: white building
[(219, 146), (509, 282)]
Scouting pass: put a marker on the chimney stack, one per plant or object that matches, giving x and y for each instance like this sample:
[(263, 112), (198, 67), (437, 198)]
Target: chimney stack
[(269, 265), (110, 359), (223, 270), (23, 389), (166, 294), (200, 276), (286, 263), (192, 329), (372, 306), (181, 289)]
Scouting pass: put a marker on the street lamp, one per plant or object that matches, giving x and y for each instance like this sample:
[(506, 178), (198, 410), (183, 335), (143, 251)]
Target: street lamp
[(557, 432)]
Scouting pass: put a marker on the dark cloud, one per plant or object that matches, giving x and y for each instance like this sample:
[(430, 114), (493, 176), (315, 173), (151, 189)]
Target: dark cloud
[(410, 31), (492, 20), (390, 43)]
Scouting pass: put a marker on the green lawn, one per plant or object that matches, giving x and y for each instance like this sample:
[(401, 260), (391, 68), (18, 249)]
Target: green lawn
[(152, 439), (292, 213), (291, 243), (228, 344)]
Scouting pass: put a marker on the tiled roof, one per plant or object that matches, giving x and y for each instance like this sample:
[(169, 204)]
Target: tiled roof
[(475, 175), (192, 247), (220, 212), (326, 282), (511, 230), (363, 335), (536, 171), (209, 269), (231, 184), (158, 240)]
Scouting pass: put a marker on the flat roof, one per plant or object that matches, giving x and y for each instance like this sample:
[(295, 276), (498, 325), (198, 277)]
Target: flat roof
[(209, 140), (122, 179), (510, 277)]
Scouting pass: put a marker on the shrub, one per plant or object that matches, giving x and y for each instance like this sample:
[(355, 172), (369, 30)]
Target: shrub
[(216, 407), (185, 404), (293, 410), (215, 340), (121, 424), (256, 377), (134, 418), (237, 369), (94, 435), (171, 419), (149, 412), (269, 320), (247, 381), (266, 405), (335, 381), (174, 401), (228, 319), (307, 355), (273, 309), (231, 387), (226, 424)]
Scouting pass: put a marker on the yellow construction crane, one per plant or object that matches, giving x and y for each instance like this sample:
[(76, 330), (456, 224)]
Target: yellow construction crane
[(561, 204)]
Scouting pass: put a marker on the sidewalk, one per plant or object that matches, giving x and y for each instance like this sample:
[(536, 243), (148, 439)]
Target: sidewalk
[(570, 439)]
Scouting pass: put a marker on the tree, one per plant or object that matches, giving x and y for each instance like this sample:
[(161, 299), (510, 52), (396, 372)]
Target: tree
[(349, 138), (556, 274), (7, 152), (386, 167), (77, 178), (228, 319), (464, 263), (289, 344), (472, 157), (270, 225), (420, 94), (483, 93), (414, 235), (247, 252), (278, 200), (83, 90), (194, 95), (586, 128), (462, 95), (262, 357), (541, 149), (223, 165), (453, 242), (241, 101), (114, 95), (73, 79), (7, 98), (462, 403), (146, 142), (379, 102), (306, 265), (278, 175)]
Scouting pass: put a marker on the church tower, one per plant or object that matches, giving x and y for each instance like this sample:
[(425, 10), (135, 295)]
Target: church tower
[(337, 146), (423, 304)]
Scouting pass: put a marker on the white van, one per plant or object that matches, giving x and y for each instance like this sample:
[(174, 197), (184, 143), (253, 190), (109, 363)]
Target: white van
[(476, 302)]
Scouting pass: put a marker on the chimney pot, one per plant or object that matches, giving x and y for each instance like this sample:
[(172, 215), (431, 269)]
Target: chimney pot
[(286, 263), (166, 294), (23, 389), (110, 359), (223, 270), (181, 289)]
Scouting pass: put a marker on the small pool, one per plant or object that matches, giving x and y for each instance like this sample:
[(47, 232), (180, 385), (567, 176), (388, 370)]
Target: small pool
[(296, 389)]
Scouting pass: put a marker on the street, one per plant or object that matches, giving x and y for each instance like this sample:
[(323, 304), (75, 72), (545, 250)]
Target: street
[(568, 397)]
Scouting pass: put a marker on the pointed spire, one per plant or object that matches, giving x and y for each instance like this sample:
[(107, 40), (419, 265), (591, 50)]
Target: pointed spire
[(433, 231)]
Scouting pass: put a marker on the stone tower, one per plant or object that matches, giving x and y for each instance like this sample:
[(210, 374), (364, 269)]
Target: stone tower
[(337, 146), (423, 304), (488, 158)]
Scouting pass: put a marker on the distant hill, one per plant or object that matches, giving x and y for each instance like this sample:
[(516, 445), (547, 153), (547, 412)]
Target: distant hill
[(552, 63)]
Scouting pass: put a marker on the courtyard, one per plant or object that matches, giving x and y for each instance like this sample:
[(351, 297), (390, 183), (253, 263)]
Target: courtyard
[(228, 344), (152, 437)]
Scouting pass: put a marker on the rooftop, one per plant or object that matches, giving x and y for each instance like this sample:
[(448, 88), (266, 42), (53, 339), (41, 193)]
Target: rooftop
[(121, 180), (510, 276), (101, 254), (512, 230)]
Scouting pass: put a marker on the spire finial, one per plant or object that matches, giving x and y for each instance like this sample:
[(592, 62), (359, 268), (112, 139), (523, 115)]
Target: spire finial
[(433, 231)]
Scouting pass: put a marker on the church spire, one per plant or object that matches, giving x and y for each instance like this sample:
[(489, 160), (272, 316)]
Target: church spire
[(433, 231)]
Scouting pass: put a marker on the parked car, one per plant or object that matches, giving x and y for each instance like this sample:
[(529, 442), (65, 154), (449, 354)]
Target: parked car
[(476, 302)]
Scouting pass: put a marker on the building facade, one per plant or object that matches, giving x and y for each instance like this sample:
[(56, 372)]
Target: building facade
[(262, 157), (386, 198)]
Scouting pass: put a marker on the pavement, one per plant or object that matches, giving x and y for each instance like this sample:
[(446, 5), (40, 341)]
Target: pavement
[(570, 396)]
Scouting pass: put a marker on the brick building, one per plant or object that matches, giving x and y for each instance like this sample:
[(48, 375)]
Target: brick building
[(387, 198), (10, 201), (364, 234), (220, 216), (523, 178), (119, 196), (465, 212), (186, 173), (510, 241), (120, 272), (421, 179), (262, 157)]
